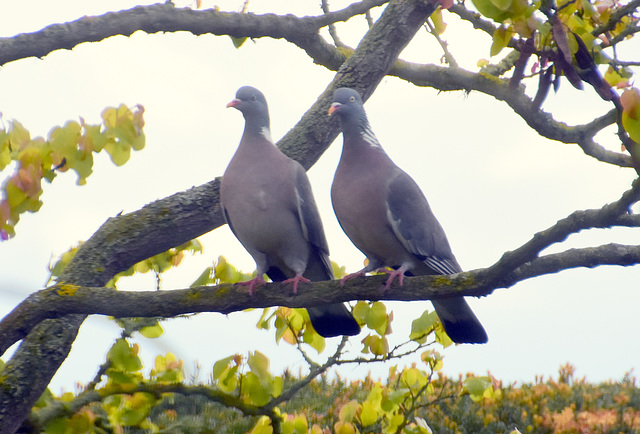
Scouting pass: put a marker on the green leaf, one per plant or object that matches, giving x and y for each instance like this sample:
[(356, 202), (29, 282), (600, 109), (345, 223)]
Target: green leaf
[(630, 100), (253, 390), (349, 410), (441, 336), (57, 426), (503, 5), (151, 332), (65, 140), (422, 326), (124, 357), (314, 340), (5, 150), (167, 369), (371, 408), (135, 409), (123, 378), (205, 278), (295, 424), (394, 399), (221, 366), (415, 379), (18, 135), (259, 364), (377, 318), (490, 10), (438, 22), (477, 386), (378, 345), (361, 312), (433, 359), (225, 374), (228, 382), (263, 426), (118, 151), (501, 38), (237, 42)]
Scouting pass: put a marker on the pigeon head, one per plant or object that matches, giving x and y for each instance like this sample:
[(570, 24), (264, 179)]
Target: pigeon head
[(348, 105), (346, 102), (253, 106)]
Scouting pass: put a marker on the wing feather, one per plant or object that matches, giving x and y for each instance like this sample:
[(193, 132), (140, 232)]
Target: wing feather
[(416, 226)]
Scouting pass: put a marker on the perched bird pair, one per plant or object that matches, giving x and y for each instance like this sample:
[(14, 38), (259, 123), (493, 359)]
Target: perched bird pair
[(270, 208)]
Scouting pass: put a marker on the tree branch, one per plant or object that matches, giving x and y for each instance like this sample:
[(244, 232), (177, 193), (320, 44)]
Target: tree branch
[(67, 299), (165, 17), (117, 246), (450, 78), (605, 217), (61, 300), (616, 16), (303, 32)]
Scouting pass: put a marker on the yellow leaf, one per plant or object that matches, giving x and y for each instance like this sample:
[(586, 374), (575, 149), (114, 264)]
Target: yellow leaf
[(263, 426), (630, 101), (151, 332), (369, 414), (344, 428), (259, 364), (438, 23), (501, 38), (349, 410)]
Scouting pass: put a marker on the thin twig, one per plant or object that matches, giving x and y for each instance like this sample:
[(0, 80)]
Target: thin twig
[(331, 27), (443, 44)]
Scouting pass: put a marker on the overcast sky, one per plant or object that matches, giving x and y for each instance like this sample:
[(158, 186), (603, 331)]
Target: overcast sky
[(491, 181)]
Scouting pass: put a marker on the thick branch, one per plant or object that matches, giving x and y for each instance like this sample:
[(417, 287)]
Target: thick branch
[(449, 78), (303, 32), (63, 299), (117, 246), (616, 16), (605, 217), (67, 299), (166, 17), (476, 20)]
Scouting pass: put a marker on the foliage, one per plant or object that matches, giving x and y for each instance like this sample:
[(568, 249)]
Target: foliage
[(409, 400), (68, 147), (122, 395), (242, 395), (568, 39), (564, 404)]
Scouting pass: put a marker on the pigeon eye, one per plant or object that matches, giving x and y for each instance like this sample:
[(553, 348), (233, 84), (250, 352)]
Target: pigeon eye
[(253, 98), (352, 99)]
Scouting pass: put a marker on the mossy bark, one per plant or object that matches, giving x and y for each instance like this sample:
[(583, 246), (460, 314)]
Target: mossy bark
[(124, 240)]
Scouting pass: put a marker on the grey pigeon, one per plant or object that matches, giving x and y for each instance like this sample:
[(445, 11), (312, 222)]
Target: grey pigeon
[(386, 215), (269, 206)]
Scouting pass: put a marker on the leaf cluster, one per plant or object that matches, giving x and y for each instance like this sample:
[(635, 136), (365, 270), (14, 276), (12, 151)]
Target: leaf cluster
[(570, 39), (71, 146)]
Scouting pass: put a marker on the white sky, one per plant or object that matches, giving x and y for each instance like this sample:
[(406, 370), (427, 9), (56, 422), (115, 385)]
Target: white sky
[(491, 181)]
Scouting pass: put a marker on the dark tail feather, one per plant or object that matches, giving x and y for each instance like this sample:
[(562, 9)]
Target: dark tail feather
[(459, 321), (333, 320)]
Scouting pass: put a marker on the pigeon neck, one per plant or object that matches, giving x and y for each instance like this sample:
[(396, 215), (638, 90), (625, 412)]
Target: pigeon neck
[(258, 127), (360, 133)]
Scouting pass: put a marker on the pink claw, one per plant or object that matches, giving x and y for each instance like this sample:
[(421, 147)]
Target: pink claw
[(399, 273), (295, 281), (256, 281), (360, 273), (392, 276)]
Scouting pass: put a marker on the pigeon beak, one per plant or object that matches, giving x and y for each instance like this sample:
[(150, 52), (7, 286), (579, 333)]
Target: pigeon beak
[(334, 107), (233, 103)]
